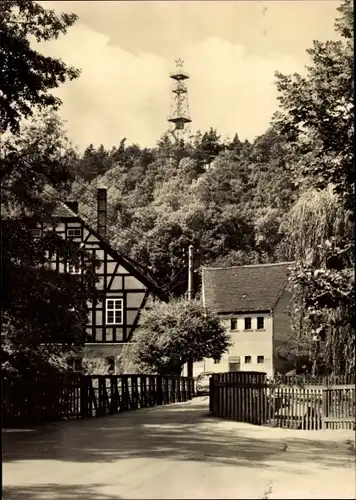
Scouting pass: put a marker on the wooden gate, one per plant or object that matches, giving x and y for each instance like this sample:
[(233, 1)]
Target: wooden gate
[(238, 396), (339, 407), (250, 397)]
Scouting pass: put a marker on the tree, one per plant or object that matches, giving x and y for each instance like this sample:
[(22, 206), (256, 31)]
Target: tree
[(207, 147), (44, 313), (39, 156), (173, 333), (27, 76), (317, 119), (93, 162), (317, 112), (321, 235)]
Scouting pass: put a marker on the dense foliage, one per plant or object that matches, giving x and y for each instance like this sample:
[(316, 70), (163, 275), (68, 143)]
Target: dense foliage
[(27, 76), (286, 195), (227, 200), (44, 313), (318, 118), (172, 334)]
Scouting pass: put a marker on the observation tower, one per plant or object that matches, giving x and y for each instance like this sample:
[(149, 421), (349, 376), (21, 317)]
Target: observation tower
[(179, 118)]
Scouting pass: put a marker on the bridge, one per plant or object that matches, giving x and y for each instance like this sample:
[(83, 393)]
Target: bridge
[(174, 451)]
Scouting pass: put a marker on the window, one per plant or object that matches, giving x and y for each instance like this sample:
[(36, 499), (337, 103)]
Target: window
[(111, 364), (260, 359), (234, 363), (114, 311), (216, 361), (247, 359), (260, 323), (233, 324), (74, 269), (36, 233), (248, 323), (75, 364), (74, 232)]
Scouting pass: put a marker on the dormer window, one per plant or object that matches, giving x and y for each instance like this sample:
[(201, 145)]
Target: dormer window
[(74, 232)]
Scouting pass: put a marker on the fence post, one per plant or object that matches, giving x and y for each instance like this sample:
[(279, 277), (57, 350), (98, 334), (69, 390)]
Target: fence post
[(184, 388), (134, 391), (84, 397), (179, 396), (159, 390), (114, 394), (125, 392), (191, 387), (173, 382), (211, 396)]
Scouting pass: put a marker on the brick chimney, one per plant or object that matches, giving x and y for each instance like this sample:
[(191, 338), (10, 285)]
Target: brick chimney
[(102, 212)]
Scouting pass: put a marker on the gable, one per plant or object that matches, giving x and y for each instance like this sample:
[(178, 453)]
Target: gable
[(94, 242)]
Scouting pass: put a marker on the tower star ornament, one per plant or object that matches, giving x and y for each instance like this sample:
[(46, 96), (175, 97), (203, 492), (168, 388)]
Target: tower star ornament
[(179, 63)]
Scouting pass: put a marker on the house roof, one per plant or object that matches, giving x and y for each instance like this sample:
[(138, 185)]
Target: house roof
[(244, 288), (63, 211)]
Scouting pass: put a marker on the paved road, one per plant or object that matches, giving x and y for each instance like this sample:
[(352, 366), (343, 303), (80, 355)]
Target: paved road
[(175, 451)]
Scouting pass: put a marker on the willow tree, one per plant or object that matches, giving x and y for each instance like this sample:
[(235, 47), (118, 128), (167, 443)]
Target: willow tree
[(320, 235), (317, 113)]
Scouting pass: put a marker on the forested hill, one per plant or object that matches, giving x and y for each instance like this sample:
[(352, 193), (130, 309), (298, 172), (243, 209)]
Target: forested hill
[(228, 199)]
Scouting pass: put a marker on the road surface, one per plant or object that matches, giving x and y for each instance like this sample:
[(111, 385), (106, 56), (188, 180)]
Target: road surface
[(171, 452)]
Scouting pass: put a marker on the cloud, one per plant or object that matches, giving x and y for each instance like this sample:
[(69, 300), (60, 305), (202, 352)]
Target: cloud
[(125, 94)]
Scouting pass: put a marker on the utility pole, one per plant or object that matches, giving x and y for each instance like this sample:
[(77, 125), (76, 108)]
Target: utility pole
[(190, 294), (190, 272)]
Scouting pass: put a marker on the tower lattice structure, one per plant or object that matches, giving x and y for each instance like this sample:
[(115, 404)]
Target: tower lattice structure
[(179, 118)]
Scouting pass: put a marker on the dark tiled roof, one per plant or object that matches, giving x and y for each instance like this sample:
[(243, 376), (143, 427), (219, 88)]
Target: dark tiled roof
[(244, 288)]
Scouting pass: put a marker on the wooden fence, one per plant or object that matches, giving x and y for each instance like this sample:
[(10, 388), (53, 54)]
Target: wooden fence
[(76, 396), (290, 403)]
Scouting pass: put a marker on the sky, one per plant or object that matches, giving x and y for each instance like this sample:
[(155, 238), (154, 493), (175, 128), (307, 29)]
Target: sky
[(231, 50)]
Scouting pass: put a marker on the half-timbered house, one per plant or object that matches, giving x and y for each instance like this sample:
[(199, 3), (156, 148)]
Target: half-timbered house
[(125, 289)]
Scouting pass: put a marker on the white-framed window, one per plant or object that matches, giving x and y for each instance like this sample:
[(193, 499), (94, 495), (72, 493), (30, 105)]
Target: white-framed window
[(36, 232), (74, 232), (260, 323), (114, 311), (247, 359), (260, 359), (233, 324), (248, 323), (74, 269)]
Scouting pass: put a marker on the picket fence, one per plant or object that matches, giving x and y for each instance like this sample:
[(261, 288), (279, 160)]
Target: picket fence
[(78, 396), (290, 402)]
